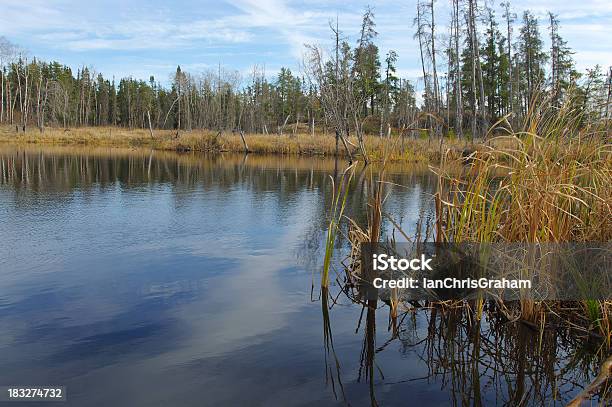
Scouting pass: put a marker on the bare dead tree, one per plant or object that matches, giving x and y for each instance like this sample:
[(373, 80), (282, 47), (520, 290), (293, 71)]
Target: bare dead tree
[(457, 71), (478, 106), (483, 108), (7, 54), (609, 98), (426, 35), (432, 36), (420, 35), (22, 70), (150, 127), (510, 17), (341, 102)]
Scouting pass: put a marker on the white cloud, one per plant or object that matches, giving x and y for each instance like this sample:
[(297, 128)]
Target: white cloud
[(57, 28), (295, 27), (247, 32)]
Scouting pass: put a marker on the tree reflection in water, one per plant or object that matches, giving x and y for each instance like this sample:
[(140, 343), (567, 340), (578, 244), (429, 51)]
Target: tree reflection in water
[(477, 362)]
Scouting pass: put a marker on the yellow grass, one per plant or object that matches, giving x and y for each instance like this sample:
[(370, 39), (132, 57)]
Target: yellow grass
[(412, 150)]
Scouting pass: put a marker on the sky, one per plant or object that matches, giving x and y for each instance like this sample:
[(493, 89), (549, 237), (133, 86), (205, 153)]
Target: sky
[(142, 38)]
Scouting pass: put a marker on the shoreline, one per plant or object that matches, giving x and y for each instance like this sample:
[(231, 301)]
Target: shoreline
[(408, 150)]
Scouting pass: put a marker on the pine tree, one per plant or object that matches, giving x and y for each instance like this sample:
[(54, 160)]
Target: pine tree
[(562, 65), (367, 62), (389, 88), (490, 62), (531, 58)]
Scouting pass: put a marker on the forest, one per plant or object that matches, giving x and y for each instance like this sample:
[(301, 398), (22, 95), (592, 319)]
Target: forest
[(479, 69)]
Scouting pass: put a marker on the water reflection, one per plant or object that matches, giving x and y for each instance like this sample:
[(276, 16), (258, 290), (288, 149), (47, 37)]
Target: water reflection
[(474, 361), (157, 278)]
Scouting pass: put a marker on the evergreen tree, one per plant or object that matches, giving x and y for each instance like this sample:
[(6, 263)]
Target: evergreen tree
[(389, 87), (531, 58), (562, 71), (367, 62)]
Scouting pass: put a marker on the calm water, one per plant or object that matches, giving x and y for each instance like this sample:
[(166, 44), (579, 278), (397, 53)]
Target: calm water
[(155, 279)]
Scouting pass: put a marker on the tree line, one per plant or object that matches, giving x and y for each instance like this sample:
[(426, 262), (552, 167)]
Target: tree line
[(475, 71)]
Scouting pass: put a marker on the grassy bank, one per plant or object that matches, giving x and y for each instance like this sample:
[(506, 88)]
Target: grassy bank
[(407, 150), (551, 190)]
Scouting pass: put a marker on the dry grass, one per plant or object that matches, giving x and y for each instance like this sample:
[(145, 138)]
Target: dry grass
[(551, 181), (410, 150), (553, 191)]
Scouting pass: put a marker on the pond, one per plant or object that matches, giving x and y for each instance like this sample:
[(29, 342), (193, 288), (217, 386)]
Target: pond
[(144, 278)]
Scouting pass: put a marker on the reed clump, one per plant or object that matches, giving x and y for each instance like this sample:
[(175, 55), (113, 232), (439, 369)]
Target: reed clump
[(550, 181), (553, 191), (556, 187)]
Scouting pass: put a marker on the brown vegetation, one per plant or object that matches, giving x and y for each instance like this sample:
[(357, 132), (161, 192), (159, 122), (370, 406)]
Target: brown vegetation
[(408, 150)]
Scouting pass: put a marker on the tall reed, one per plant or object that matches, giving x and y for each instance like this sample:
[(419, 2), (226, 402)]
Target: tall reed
[(550, 182), (339, 196)]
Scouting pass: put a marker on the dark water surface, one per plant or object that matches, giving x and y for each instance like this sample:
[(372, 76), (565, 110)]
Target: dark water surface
[(156, 279)]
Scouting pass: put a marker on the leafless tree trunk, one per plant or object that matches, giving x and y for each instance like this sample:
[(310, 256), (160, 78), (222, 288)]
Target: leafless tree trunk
[(419, 35), (609, 98), (150, 127), (297, 123), (281, 128), (337, 96), (38, 102), (554, 55), (178, 98), (483, 109), (509, 20), (41, 103), (469, 22), (246, 147), (458, 92), (312, 126), (23, 92), (2, 95), (433, 60)]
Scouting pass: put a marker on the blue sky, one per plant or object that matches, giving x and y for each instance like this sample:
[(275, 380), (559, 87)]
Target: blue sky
[(142, 38)]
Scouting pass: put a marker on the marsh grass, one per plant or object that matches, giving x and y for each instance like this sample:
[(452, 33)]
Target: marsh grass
[(550, 181), (410, 150), (338, 204), (556, 189)]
